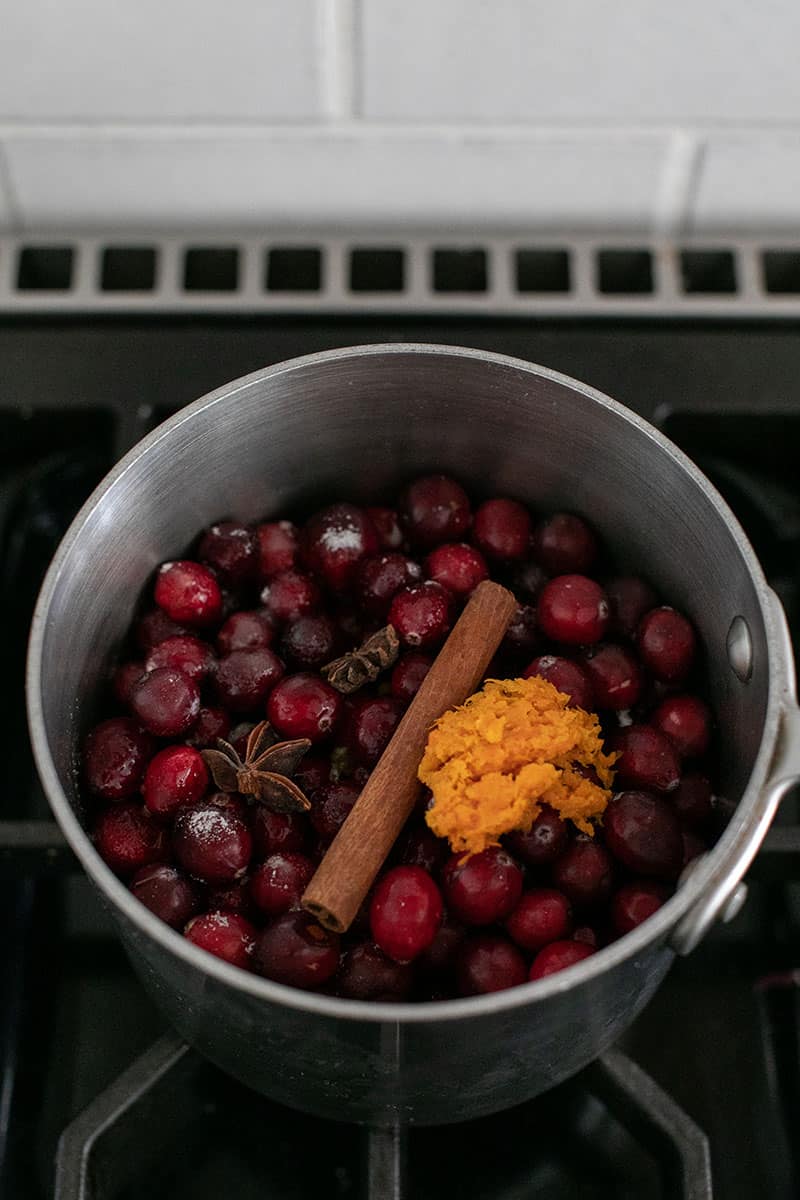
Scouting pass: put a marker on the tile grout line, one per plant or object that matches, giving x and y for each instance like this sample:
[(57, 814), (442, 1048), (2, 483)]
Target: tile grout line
[(8, 190), (677, 184), (336, 20)]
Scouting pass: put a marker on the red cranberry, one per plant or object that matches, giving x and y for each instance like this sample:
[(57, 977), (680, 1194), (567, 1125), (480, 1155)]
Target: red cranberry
[(245, 630), (647, 759), (546, 839), (573, 609), (557, 956), (635, 902), (483, 888), (277, 884), (166, 701), (693, 846), (457, 567), (666, 644), (294, 949), (489, 963), (124, 678), (564, 545), (379, 579), (245, 678), (543, 915), (387, 524), (371, 725), (584, 873), (407, 676), (435, 509), (418, 846), (367, 974), (693, 800), (313, 773), (278, 832), (289, 596), (332, 806), (166, 892), (184, 653), (277, 548), (566, 676), (521, 635), (176, 776), (154, 627), (502, 529), (188, 593), (304, 706), (440, 957), (629, 598), (335, 541), (615, 675), (128, 838), (232, 898), (643, 832), (114, 758), (228, 936), (231, 549), (405, 912), (309, 641), (686, 721), (212, 843), (528, 581), (422, 614), (211, 723)]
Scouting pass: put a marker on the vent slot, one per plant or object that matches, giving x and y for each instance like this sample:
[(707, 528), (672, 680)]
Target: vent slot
[(377, 270), (211, 269), (711, 272), (459, 270), (294, 269), (782, 271), (625, 272), (542, 270), (128, 269), (45, 268)]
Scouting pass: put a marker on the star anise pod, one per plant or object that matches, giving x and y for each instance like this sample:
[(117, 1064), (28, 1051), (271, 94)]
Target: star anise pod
[(364, 665), (265, 772)]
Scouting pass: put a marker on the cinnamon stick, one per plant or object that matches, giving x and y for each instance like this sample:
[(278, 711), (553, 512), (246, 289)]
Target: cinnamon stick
[(361, 846)]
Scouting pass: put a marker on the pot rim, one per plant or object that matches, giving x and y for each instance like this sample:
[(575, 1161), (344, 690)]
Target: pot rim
[(748, 812)]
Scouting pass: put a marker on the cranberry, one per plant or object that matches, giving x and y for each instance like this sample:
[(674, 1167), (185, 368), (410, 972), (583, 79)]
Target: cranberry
[(502, 529), (183, 653), (408, 675), (418, 846), (440, 957), (584, 872), (154, 627), (309, 641), (405, 912), (489, 963), (483, 888), (114, 758), (166, 892), (573, 609), (585, 933), (230, 548), (686, 721), (245, 678), (313, 772), (335, 541), (564, 545), (277, 884), (232, 803), (615, 675), (543, 915), (379, 579), (647, 759), (421, 615), (693, 846), (566, 676), (557, 956), (232, 897), (635, 902), (176, 776), (435, 509), (528, 581), (128, 838), (211, 723), (304, 706), (371, 725), (629, 598), (387, 524), (124, 678), (212, 843), (643, 832), (457, 567), (188, 593), (290, 595), (228, 936), (277, 548), (367, 974), (274, 832), (693, 800), (294, 949), (245, 630), (166, 701), (546, 839), (666, 644), (332, 806), (521, 635)]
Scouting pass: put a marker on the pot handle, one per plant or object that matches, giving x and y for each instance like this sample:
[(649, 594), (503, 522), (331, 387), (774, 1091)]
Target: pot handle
[(725, 892)]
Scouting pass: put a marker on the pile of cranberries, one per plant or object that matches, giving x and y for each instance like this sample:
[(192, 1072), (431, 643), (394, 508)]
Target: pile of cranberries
[(238, 632)]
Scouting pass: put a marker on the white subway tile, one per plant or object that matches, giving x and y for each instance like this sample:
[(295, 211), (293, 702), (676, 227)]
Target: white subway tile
[(6, 221), (748, 182), (104, 60), (622, 60)]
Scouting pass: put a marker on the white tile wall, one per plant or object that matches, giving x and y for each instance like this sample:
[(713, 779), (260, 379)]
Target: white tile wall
[(742, 177)]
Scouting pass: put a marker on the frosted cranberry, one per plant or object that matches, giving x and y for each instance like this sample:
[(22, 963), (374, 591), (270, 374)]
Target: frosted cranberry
[(154, 627), (228, 936), (542, 915), (566, 676), (245, 630), (277, 548), (629, 598), (277, 884), (212, 843), (232, 803), (686, 721), (643, 832), (457, 567), (557, 956), (380, 578), (435, 509), (309, 641), (418, 846), (573, 609), (615, 675), (564, 545), (502, 529), (367, 974), (332, 805), (231, 897), (693, 846), (439, 959), (693, 800), (188, 592), (290, 595), (546, 839), (183, 653), (334, 542), (231, 549), (371, 725), (405, 912), (584, 873), (176, 776), (278, 832), (166, 701), (483, 888), (488, 963), (387, 524), (211, 723), (304, 706), (646, 759), (408, 674), (521, 635), (527, 581), (422, 614), (294, 949), (114, 758), (313, 772), (666, 643), (124, 678), (166, 892), (128, 838), (635, 902), (245, 678)]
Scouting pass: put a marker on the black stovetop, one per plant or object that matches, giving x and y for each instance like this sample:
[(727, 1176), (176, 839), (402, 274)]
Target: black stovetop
[(713, 1062)]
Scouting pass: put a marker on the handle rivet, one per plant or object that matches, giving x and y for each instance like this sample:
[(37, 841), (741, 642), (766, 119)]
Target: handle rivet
[(739, 645)]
